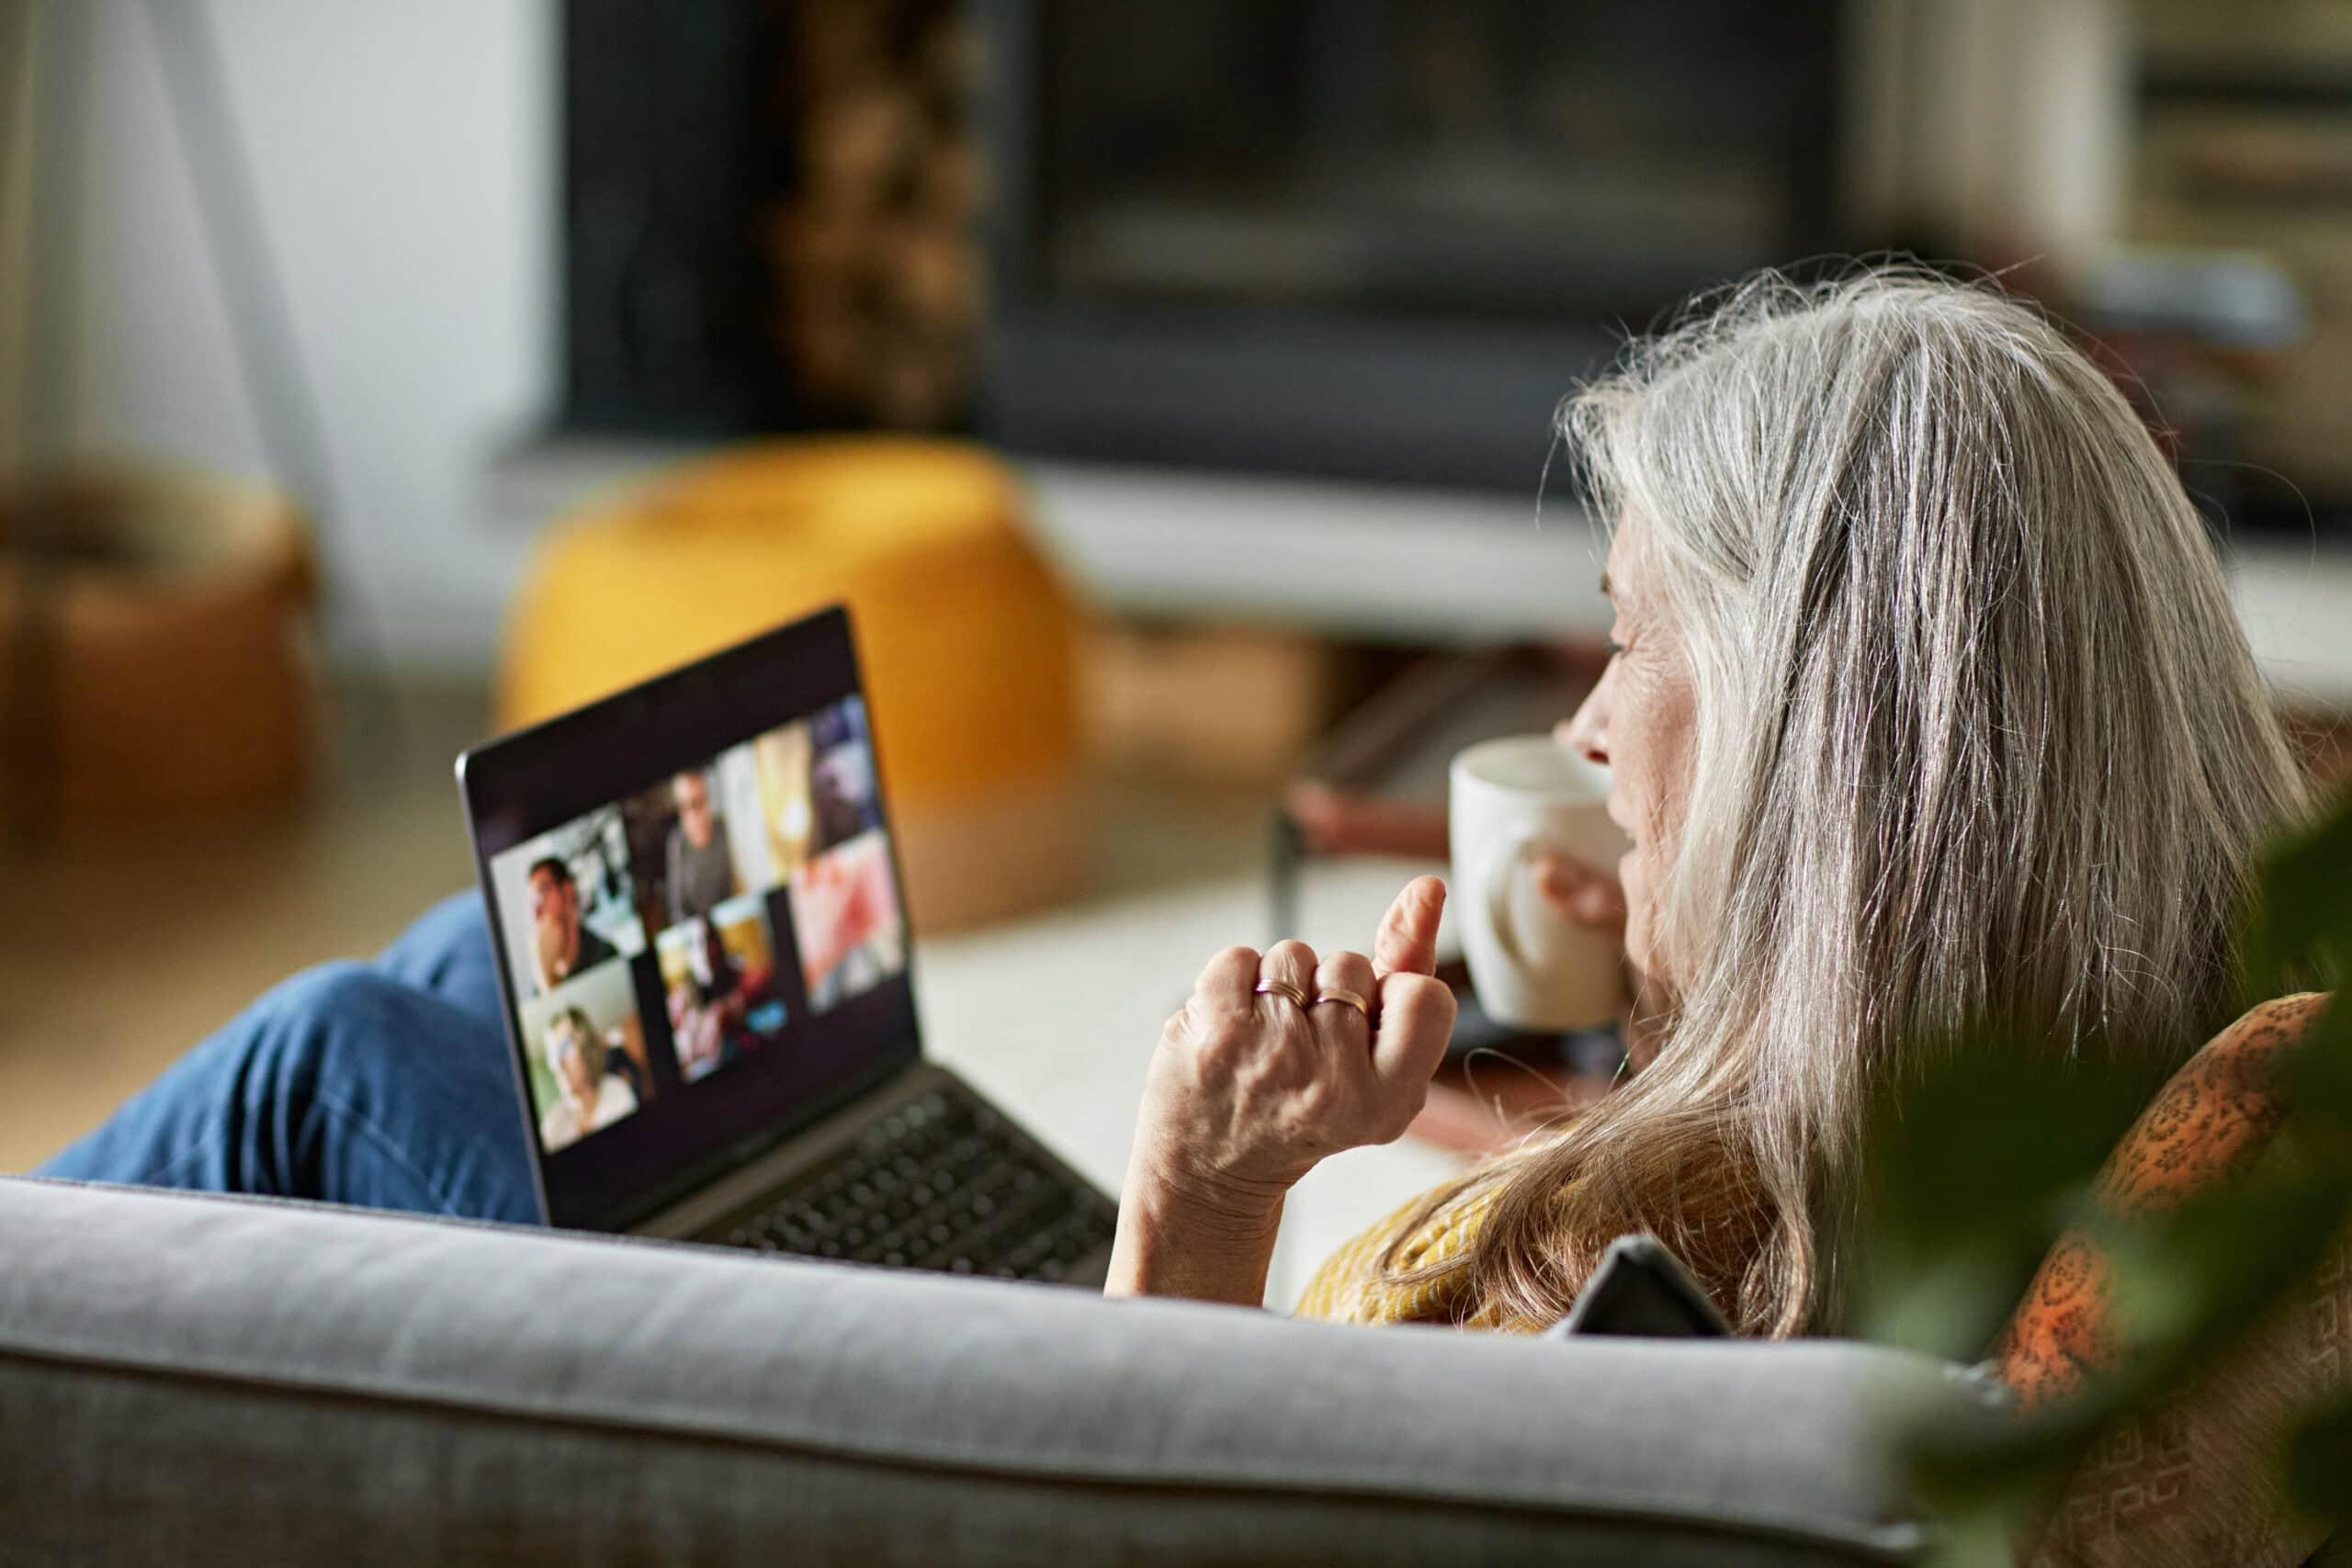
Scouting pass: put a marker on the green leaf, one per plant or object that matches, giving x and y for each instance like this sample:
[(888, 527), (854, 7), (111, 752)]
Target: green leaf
[(1983, 1535), (2317, 1080), (2319, 1465), (2301, 928), (2187, 1285), (1973, 1172)]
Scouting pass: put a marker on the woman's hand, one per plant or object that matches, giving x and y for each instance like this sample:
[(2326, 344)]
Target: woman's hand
[(1249, 1090), (1585, 895), (1581, 894)]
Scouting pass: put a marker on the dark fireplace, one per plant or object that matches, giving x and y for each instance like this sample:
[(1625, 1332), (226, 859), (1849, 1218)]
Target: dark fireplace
[(770, 216), (1373, 237), (1376, 238)]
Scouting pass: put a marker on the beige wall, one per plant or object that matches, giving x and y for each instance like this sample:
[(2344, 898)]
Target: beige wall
[(15, 198), (2002, 125), (401, 155)]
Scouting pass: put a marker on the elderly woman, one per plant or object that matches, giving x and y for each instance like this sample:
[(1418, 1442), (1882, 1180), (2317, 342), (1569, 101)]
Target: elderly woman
[(1927, 710)]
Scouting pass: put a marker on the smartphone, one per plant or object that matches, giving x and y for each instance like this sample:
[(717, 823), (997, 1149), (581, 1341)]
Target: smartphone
[(1641, 1290)]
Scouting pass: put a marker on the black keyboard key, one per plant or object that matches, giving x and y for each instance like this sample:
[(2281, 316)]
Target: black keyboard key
[(941, 1183)]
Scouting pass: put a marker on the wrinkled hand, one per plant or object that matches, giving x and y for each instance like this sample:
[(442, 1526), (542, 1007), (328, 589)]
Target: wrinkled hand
[(1581, 893), (1585, 894), (1247, 1091)]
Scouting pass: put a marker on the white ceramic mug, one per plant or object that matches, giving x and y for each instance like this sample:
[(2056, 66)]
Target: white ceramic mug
[(1511, 798)]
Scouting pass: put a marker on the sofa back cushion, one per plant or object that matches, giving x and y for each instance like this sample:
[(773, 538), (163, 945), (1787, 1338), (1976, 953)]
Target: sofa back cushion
[(286, 1382)]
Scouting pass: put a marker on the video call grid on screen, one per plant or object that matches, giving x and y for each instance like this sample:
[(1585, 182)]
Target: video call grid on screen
[(713, 955)]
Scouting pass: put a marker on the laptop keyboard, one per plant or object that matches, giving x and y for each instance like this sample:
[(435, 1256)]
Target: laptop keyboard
[(940, 1183)]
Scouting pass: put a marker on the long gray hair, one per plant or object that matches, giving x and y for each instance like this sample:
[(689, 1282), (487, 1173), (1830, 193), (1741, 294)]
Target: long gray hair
[(1980, 745)]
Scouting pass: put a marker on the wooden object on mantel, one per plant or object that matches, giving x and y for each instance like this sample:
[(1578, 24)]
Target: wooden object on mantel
[(876, 250)]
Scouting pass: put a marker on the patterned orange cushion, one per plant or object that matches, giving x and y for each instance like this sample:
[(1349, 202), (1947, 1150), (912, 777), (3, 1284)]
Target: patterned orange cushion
[(2194, 1480)]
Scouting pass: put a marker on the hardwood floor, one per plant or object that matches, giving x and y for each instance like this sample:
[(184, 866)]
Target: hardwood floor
[(117, 954)]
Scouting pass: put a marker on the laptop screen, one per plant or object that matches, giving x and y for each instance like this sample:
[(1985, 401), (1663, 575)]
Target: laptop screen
[(696, 907)]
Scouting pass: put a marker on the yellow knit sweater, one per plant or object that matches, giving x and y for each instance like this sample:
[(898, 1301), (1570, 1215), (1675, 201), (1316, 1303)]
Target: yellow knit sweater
[(2166, 1153), (1349, 1287)]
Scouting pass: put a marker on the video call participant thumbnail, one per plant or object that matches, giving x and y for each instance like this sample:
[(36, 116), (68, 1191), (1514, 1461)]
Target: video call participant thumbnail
[(719, 1006), (590, 1096), (840, 778), (562, 945), (700, 864), (845, 910)]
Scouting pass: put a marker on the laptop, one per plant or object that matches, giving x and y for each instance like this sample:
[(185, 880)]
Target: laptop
[(696, 910)]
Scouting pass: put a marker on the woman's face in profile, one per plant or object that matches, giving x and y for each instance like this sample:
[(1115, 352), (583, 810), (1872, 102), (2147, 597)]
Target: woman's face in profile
[(1638, 723)]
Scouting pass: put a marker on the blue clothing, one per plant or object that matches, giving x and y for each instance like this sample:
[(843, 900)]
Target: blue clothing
[(385, 1085)]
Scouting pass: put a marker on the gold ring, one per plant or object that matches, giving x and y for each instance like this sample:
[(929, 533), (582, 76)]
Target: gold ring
[(1282, 988), (1341, 994)]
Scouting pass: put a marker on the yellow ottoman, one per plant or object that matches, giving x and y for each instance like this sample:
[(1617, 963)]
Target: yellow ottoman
[(965, 639)]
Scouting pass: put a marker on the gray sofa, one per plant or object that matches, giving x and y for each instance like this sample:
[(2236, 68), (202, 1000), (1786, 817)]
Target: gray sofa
[(196, 1378)]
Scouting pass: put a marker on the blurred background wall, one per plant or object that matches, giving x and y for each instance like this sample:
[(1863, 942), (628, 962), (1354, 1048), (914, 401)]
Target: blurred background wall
[(402, 157), (430, 233), (1990, 118), (15, 169)]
